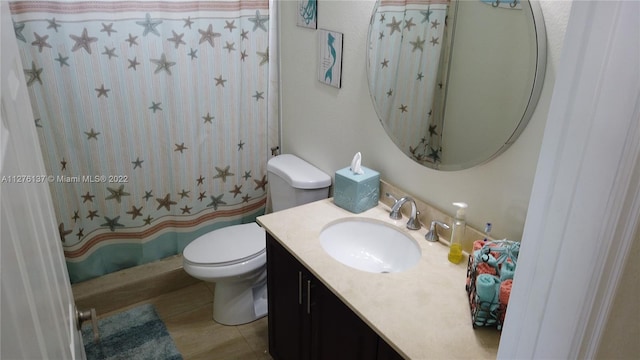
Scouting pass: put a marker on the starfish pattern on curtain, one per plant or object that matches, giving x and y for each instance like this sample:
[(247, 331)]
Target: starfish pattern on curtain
[(152, 119), (406, 70)]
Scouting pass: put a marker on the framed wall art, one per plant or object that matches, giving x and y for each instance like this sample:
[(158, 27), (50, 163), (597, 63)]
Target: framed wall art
[(330, 62), (308, 13)]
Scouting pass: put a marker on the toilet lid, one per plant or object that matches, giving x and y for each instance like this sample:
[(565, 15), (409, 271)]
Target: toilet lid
[(230, 244)]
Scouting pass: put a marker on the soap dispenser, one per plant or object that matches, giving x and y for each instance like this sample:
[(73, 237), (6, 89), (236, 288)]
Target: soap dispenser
[(457, 233)]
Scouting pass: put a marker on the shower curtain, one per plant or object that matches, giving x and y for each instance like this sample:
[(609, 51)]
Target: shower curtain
[(153, 120), (405, 64)]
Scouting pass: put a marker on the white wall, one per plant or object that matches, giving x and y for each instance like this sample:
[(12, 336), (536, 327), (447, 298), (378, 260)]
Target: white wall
[(326, 126)]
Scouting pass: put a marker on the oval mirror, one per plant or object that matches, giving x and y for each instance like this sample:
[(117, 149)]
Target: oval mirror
[(454, 83)]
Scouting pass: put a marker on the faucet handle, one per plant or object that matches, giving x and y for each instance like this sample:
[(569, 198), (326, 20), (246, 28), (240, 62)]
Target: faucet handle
[(395, 211), (432, 235)]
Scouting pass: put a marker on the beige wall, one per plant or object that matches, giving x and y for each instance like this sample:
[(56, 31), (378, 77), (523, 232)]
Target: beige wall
[(326, 126), (622, 331)]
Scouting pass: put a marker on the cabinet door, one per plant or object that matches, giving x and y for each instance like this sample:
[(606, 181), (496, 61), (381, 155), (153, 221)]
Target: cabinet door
[(307, 321), (337, 332), (386, 352), (287, 338)]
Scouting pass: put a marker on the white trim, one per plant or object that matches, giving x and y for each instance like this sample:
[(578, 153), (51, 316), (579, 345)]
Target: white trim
[(625, 229), (277, 34), (584, 206)]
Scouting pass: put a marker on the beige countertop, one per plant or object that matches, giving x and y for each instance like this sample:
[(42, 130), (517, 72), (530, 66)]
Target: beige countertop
[(421, 312)]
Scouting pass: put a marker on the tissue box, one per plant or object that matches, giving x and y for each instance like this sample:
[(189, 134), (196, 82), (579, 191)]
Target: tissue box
[(356, 193)]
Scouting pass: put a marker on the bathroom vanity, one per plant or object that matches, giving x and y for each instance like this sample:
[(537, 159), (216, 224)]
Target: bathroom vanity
[(307, 321), (320, 308)]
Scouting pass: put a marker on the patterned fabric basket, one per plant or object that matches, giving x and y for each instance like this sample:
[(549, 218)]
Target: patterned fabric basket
[(489, 277)]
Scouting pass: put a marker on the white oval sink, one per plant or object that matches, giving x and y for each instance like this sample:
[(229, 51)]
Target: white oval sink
[(370, 245)]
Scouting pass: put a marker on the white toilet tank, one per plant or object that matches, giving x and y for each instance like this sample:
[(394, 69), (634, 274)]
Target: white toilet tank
[(293, 182)]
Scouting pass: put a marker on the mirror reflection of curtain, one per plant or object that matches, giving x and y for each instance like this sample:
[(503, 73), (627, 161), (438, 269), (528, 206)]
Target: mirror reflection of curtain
[(404, 68), (152, 118)]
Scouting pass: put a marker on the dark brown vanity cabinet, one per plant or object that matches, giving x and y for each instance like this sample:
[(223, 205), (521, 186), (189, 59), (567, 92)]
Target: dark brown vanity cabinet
[(308, 322)]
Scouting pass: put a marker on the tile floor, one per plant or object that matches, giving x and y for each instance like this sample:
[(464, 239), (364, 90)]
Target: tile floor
[(188, 315)]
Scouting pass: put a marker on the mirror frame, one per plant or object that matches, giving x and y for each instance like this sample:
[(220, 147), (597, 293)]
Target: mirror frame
[(534, 95)]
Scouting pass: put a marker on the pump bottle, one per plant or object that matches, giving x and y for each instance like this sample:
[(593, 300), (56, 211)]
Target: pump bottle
[(457, 233)]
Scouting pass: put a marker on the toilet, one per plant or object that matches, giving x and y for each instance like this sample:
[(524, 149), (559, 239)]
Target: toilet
[(234, 257)]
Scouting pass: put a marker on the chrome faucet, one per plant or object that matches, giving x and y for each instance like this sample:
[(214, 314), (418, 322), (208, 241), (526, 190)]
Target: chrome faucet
[(413, 223)]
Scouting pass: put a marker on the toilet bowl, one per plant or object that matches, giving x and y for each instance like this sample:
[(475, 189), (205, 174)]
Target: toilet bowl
[(234, 257)]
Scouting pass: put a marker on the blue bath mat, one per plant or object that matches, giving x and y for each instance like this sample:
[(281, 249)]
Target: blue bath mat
[(136, 334)]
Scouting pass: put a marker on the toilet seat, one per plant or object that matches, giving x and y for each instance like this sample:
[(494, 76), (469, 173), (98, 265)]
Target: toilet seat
[(227, 246)]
